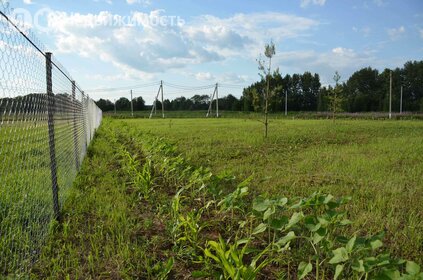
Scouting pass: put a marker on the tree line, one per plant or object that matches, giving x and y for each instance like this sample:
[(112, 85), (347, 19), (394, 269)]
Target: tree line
[(195, 103), (367, 90)]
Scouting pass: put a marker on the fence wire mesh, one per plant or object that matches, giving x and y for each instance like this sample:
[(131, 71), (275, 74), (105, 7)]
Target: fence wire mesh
[(46, 125)]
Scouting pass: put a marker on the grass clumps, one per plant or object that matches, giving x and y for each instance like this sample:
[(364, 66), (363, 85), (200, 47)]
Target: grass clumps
[(140, 210)]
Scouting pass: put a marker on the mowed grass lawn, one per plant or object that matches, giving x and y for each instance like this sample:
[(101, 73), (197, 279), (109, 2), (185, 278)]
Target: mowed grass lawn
[(378, 163)]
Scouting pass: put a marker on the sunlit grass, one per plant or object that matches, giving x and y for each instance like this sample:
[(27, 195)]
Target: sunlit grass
[(141, 210), (378, 163)]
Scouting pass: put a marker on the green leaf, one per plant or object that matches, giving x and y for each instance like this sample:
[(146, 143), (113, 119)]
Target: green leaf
[(242, 241), (298, 205), (412, 268), (375, 244), (242, 224), (332, 205), (210, 255), (259, 229), (338, 271), (317, 238), (358, 266), (350, 244), (295, 218), (278, 224), (345, 222), (200, 274), (282, 202), (304, 269), (261, 205), (311, 223), (328, 198), (339, 255), (323, 222), (390, 274), (341, 239), (290, 236), (269, 212)]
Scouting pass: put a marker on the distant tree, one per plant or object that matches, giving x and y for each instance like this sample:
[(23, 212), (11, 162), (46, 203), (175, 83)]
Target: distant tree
[(158, 105), (181, 103), (200, 102), (269, 52), (167, 104), (323, 99), (256, 100), (412, 83), (362, 91), (296, 93), (138, 103), (231, 103), (105, 105), (310, 86), (252, 97), (276, 94), (123, 104)]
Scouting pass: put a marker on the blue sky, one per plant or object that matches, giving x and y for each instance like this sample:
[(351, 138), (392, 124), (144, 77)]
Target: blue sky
[(208, 41)]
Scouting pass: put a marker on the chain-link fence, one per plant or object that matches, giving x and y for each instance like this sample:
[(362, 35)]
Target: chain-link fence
[(46, 124)]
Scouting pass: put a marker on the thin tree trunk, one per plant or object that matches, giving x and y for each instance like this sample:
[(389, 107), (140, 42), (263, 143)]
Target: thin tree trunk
[(334, 106), (266, 123)]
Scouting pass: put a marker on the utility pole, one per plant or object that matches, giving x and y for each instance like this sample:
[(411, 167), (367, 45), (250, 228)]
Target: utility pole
[(161, 87), (217, 100), (286, 102), (390, 95), (215, 94), (132, 105), (401, 102), (154, 108), (210, 110)]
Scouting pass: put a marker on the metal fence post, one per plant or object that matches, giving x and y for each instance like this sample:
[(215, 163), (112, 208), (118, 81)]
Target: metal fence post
[(85, 120), (75, 131), (89, 121), (50, 109)]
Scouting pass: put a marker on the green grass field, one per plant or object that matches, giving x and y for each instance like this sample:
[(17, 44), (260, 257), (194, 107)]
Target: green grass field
[(144, 206), (26, 204), (378, 163), (258, 115)]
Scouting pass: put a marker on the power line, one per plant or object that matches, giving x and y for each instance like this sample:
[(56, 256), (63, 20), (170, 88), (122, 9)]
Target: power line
[(179, 88), (125, 87), (182, 87), (232, 86)]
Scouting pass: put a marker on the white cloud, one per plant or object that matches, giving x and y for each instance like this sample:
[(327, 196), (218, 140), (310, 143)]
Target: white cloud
[(204, 76), (143, 46), (28, 2), (107, 1), (246, 34), (232, 78), (305, 3), (145, 3), (344, 60), (396, 33), (339, 51)]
